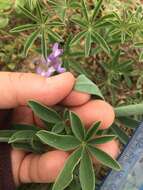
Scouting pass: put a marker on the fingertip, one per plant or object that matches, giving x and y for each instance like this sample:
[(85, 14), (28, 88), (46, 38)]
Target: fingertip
[(76, 99), (50, 164), (96, 110)]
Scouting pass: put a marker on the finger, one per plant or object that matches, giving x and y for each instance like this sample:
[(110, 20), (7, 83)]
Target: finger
[(96, 110), (22, 115), (42, 168), (18, 88), (111, 148), (76, 99)]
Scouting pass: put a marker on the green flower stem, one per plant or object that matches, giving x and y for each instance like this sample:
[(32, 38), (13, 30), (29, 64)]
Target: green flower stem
[(129, 110)]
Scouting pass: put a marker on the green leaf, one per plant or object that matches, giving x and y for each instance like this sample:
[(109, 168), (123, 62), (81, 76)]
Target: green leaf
[(54, 35), (78, 37), (79, 22), (86, 172), (92, 130), (61, 142), (44, 113), (129, 110), (120, 133), (84, 8), (44, 43), (66, 175), (22, 146), (27, 13), (104, 158), (129, 122), (101, 140), (39, 11), (83, 84), (97, 9), (58, 127), (22, 136), (77, 126), (88, 43), (24, 127), (23, 28), (6, 134), (31, 39), (100, 40)]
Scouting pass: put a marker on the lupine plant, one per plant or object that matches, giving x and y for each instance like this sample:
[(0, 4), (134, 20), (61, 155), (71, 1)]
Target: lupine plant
[(100, 41)]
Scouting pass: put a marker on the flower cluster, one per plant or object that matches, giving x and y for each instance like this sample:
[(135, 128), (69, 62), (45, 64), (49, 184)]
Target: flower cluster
[(52, 63)]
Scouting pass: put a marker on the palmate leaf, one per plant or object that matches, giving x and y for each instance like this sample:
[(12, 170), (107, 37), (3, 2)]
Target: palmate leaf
[(101, 140), (24, 27), (88, 43), (44, 113), (66, 175), (83, 84), (100, 40), (92, 130), (86, 172), (104, 158), (61, 142), (22, 136), (77, 126), (31, 39)]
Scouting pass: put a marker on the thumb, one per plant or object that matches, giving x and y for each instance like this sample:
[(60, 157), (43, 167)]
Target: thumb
[(17, 88)]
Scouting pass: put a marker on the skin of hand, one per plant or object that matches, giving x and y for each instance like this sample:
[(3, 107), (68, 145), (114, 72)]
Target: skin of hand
[(17, 88)]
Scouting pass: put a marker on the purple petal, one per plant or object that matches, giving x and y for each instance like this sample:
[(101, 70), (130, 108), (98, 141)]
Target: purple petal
[(50, 71), (61, 69), (56, 51), (40, 72)]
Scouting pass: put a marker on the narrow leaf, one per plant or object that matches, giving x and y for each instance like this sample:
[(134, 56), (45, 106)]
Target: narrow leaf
[(28, 13), (22, 136), (129, 122), (129, 110), (78, 37), (5, 135), (31, 39), (44, 43), (54, 35), (39, 11), (97, 9), (83, 84), (44, 113), (61, 142), (77, 126), (120, 134), (24, 127), (101, 140), (88, 44), (86, 172), (85, 11), (66, 175), (58, 127), (104, 158), (23, 28), (92, 130), (100, 40)]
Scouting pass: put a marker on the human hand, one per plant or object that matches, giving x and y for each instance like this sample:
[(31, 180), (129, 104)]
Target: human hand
[(17, 88)]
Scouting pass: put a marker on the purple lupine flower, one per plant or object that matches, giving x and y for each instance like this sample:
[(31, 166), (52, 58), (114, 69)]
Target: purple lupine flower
[(52, 63)]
